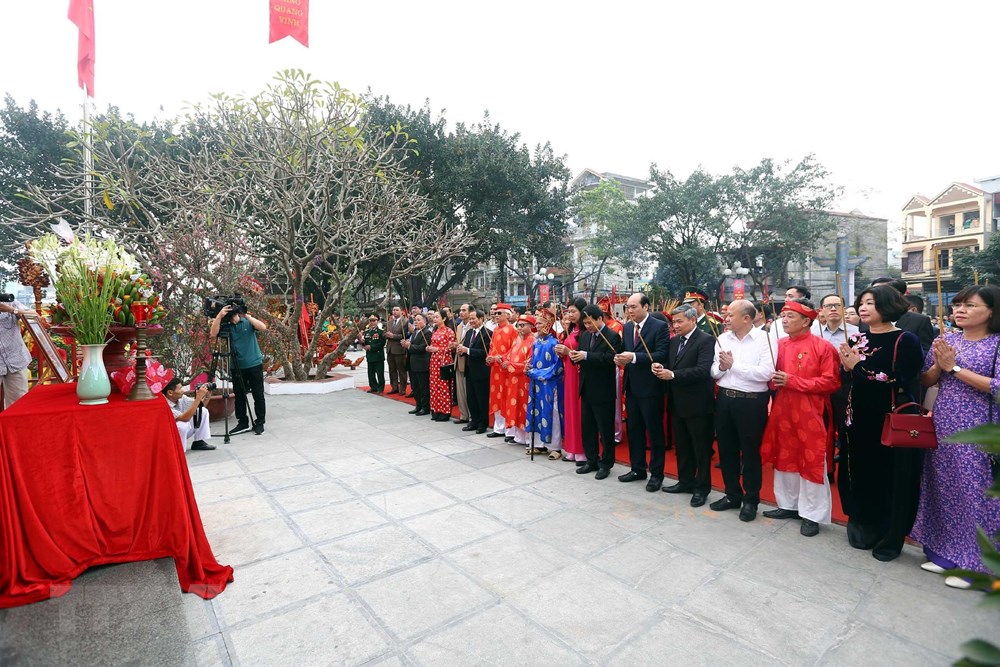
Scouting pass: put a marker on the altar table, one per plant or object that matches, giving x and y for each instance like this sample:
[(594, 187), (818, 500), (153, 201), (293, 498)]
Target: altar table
[(85, 485)]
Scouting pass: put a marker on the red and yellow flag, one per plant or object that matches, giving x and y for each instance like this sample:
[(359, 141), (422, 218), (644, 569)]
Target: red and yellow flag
[(289, 18), (81, 13)]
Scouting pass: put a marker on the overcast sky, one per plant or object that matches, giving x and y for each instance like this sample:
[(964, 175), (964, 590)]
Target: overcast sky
[(894, 98)]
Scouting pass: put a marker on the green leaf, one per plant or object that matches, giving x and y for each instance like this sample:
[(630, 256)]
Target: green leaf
[(983, 652), (987, 434)]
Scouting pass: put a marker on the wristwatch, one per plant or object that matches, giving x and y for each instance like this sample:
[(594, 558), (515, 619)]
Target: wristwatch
[(956, 368)]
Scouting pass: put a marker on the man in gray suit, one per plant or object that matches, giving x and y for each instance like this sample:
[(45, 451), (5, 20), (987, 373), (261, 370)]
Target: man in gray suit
[(396, 331), (461, 393)]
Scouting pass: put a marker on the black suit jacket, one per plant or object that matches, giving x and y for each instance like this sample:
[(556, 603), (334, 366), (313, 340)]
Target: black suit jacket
[(920, 325), (479, 347), (692, 391), (420, 361), (598, 373), (639, 379)]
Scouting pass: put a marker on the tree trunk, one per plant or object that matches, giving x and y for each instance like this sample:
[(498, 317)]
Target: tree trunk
[(597, 280)]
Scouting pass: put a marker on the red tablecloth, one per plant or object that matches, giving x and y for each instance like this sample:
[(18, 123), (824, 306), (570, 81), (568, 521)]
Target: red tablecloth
[(87, 485)]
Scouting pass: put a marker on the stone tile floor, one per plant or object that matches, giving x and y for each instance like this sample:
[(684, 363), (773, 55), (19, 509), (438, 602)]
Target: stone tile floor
[(363, 535)]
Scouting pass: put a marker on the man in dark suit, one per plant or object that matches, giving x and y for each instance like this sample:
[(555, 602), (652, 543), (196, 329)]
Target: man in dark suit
[(420, 365), (474, 347), (397, 329), (645, 341), (598, 388), (691, 401)]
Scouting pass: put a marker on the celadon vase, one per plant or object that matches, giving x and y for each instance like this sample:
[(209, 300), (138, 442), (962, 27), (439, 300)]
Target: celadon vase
[(93, 385)]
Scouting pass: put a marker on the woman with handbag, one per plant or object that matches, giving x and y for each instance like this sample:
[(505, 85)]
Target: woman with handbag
[(953, 489), (883, 482), (440, 351)]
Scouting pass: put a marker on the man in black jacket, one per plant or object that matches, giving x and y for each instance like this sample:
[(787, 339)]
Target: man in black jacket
[(475, 345), (420, 365), (598, 382), (691, 401), (645, 341)]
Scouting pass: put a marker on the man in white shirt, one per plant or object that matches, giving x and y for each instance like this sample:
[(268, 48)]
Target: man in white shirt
[(743, 366), (187, 411)]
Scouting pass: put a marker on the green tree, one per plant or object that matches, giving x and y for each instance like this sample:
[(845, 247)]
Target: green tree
[(510, 202), (32, 144), (984, 264), (613, 234)]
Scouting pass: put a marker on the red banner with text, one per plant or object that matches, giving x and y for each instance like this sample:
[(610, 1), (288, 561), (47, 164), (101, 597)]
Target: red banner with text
[(739, 289), (289, 18), (543, 293)]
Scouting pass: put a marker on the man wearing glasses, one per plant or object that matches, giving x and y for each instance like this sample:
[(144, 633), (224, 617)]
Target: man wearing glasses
[(836, 331)]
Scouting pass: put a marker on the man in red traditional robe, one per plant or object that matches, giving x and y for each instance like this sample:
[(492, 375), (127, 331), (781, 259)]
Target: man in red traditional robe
[(503, 337), (798, 436), (515, 409)]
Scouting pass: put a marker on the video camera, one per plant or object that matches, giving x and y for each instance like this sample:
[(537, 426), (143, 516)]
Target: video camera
[(6, 298), (214, 304), (211, 386)]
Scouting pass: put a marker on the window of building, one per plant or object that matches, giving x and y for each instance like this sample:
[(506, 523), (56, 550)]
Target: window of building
[(914, 262), (945, 258), (970, 219), (947, 225)]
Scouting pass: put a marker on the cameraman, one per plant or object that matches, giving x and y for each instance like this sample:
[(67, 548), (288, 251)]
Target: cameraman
[(248, 360), (187, 411), (14, 355)]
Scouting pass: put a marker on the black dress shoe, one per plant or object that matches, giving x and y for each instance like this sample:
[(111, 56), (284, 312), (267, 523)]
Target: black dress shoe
[(392, 391), (678, 488), (781, 514), (509, 438), (422, 413), (202, 446), (441, 418), (494, 434), (585, 468), (372, 391), (724, 503), (414, 411), (748, 512), (602, 473), (631, 476), (460, 421), (698, 499), (470, 427), (480, 431), (809, 528), (654, 484)]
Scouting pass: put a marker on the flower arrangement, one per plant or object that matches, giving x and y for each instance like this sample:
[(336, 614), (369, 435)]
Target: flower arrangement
[(113, 272)]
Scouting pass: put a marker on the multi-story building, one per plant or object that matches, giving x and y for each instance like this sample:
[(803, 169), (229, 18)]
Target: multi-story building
[(584, 262), (961, 216)]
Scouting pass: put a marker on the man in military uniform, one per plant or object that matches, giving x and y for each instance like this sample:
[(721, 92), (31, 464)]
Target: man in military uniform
[(697, 298), (373, 341)]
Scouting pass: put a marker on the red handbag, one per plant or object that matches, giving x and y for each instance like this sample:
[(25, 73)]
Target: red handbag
[(915, 431)]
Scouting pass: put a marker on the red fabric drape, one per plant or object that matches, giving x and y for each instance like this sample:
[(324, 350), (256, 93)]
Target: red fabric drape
[(81, 13), (87, 485)]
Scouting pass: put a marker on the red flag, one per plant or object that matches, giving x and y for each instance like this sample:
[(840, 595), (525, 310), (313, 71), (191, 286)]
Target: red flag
[(614, 294), (81, 13), (289, 18), (766, 297)]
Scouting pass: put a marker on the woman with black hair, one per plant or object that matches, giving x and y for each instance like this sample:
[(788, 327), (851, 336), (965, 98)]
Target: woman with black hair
[(569, 340), (953, 497), (881, 487)]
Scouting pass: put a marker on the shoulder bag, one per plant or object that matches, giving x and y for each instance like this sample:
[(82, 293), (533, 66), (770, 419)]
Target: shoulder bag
[(914, 431)]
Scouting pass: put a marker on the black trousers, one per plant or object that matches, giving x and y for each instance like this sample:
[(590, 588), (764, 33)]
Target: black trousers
[(421, 381), (739, 426), (397, 372), (250, 380), (376, 371), (645, 416), (598, 419), (477, 391), (693, 439)]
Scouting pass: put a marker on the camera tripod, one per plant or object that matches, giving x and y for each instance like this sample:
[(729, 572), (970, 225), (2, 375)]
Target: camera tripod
[(226, 369)]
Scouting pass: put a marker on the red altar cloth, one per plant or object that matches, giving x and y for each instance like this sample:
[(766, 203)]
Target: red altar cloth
[(88, 485)]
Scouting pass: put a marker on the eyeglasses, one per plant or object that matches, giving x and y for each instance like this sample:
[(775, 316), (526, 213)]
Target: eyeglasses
[(969, 306), (831, 306)]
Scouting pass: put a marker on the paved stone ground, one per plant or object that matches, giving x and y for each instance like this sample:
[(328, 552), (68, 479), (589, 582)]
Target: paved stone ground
[(363, 535)]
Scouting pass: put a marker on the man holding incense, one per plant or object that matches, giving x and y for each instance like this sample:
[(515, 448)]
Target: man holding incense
[(645, 340)]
